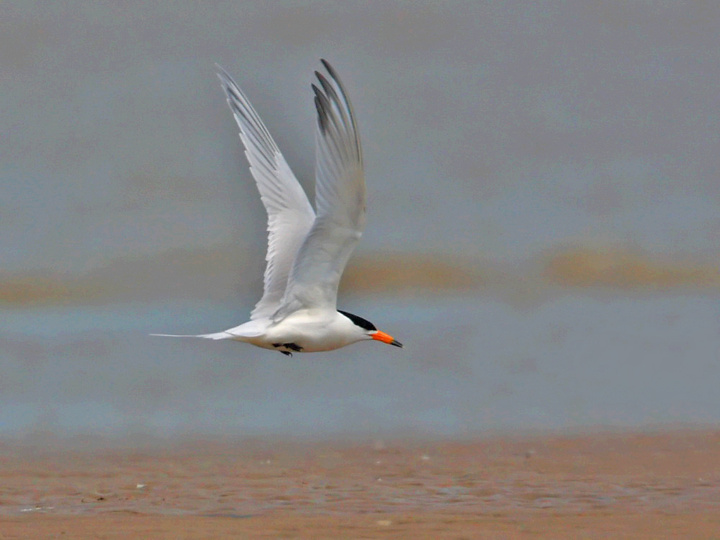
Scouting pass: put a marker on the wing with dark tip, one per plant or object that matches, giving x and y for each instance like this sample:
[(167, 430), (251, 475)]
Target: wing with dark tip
[(290, 215), (339, 201)]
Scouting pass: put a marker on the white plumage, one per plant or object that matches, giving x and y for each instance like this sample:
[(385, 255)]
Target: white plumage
[(307, 252)]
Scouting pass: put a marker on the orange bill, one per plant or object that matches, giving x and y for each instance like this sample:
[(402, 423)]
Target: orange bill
[(386, 338)]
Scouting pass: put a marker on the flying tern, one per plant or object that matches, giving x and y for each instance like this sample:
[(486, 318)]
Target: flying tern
[(307, 249)]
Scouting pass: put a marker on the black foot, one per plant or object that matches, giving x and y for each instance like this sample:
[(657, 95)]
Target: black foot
[(286, 353), (293, 347)]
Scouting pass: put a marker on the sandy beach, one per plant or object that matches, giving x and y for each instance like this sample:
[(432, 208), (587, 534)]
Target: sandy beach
[(603, 485)]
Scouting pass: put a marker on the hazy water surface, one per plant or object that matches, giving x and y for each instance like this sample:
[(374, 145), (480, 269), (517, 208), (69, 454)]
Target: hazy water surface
[(470, 364)]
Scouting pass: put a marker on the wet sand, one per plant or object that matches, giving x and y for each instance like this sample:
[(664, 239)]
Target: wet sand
[(606, 485)]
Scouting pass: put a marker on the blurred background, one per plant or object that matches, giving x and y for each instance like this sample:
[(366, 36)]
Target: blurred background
[(543, 216)]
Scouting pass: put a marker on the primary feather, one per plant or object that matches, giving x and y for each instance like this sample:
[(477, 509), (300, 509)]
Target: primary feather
[(339, 201), (290, 215)]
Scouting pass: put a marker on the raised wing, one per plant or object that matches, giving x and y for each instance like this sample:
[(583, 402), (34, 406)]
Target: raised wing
[(339, 201), (290, 215)]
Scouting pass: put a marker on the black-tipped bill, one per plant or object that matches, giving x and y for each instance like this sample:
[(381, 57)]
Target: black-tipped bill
[(386, 338)]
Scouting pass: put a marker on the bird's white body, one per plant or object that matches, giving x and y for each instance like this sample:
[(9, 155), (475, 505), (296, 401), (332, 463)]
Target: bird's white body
[(307, 249), (307, 330)]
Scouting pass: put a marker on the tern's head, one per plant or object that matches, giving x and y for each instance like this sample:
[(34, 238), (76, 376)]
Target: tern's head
[(368, 330)]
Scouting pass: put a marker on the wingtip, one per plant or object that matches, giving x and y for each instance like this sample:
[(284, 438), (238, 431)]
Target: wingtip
[(326, 85), (220, 71), (222, 75)]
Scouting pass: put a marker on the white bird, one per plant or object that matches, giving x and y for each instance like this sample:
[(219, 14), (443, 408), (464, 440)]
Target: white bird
[(307, 252)]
